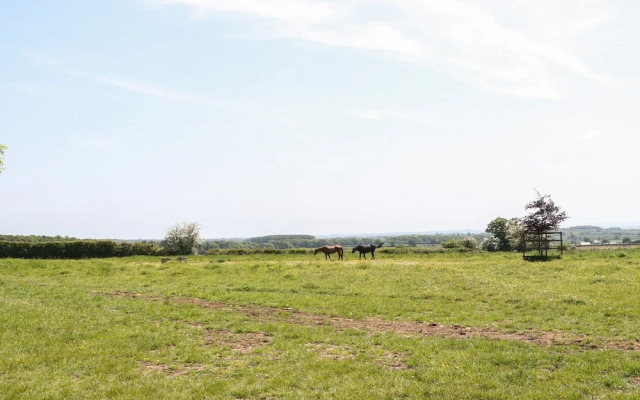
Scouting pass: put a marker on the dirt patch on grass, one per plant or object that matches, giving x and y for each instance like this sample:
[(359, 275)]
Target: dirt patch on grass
[(118, 294), (331, 351), (172, 372), (389, 359), (245, 342), (392, 360), (415, 329), (401, 328)]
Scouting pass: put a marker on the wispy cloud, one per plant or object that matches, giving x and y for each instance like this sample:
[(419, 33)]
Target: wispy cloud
[(144, 88), (513, 47), (140, 87), (155, 91)]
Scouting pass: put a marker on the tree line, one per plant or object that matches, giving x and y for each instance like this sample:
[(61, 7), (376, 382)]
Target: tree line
[(310, 242), (36, 238)]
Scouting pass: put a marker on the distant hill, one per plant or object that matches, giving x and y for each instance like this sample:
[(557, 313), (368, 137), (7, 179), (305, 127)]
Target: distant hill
[(272, 238), (393, 234), (585, 227), (592, 233)]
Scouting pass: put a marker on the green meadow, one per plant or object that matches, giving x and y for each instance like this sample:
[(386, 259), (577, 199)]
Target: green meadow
[(294, 326)]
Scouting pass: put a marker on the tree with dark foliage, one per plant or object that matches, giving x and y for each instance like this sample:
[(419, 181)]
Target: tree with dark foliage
[(544, 217)]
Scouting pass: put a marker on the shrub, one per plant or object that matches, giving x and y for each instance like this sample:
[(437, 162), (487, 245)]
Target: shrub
[(490, 244), (469, 243), (182, 239), (452, 244)]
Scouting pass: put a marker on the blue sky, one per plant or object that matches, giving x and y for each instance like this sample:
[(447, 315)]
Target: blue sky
[(257, 117)]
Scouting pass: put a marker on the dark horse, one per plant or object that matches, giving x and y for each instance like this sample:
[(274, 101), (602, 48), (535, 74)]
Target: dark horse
[(367, 248), (327, 250)]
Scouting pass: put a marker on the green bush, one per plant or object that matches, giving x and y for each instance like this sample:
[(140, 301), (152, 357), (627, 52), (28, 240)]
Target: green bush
[(76, 249), (469, 243), (452, 244)]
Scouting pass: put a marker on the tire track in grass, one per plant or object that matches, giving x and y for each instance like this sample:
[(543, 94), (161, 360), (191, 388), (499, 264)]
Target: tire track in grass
[(401, 328)]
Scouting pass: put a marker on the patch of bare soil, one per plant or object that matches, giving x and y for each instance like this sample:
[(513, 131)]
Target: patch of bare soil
[(239, 342), (402, 328), (389, 359), (118, 294), (331, 351), (393, 360), (172, 372), (634, 381)]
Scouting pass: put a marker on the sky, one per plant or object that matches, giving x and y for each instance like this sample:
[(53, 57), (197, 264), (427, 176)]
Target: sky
[(256, 117)]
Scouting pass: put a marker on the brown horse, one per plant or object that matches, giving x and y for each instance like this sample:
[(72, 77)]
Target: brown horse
[(327, 250)]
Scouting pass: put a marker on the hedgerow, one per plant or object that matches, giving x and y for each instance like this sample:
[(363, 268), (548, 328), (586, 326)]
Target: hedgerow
[(76, 249)]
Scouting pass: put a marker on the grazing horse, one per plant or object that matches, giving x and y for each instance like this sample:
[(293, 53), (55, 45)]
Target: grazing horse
[(328, 250), (367, 248)]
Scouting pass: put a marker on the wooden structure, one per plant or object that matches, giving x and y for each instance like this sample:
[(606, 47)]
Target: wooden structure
[(542, 246)]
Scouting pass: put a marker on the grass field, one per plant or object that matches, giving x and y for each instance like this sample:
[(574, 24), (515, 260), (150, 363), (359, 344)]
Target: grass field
[(443, 326)]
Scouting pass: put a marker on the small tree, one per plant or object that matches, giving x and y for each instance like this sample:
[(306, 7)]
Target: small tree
[(182, 239), (2, 149), (499, 228), (543, 218)]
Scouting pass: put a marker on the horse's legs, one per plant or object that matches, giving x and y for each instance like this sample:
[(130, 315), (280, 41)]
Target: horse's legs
[(329, 255), (373, 256)]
